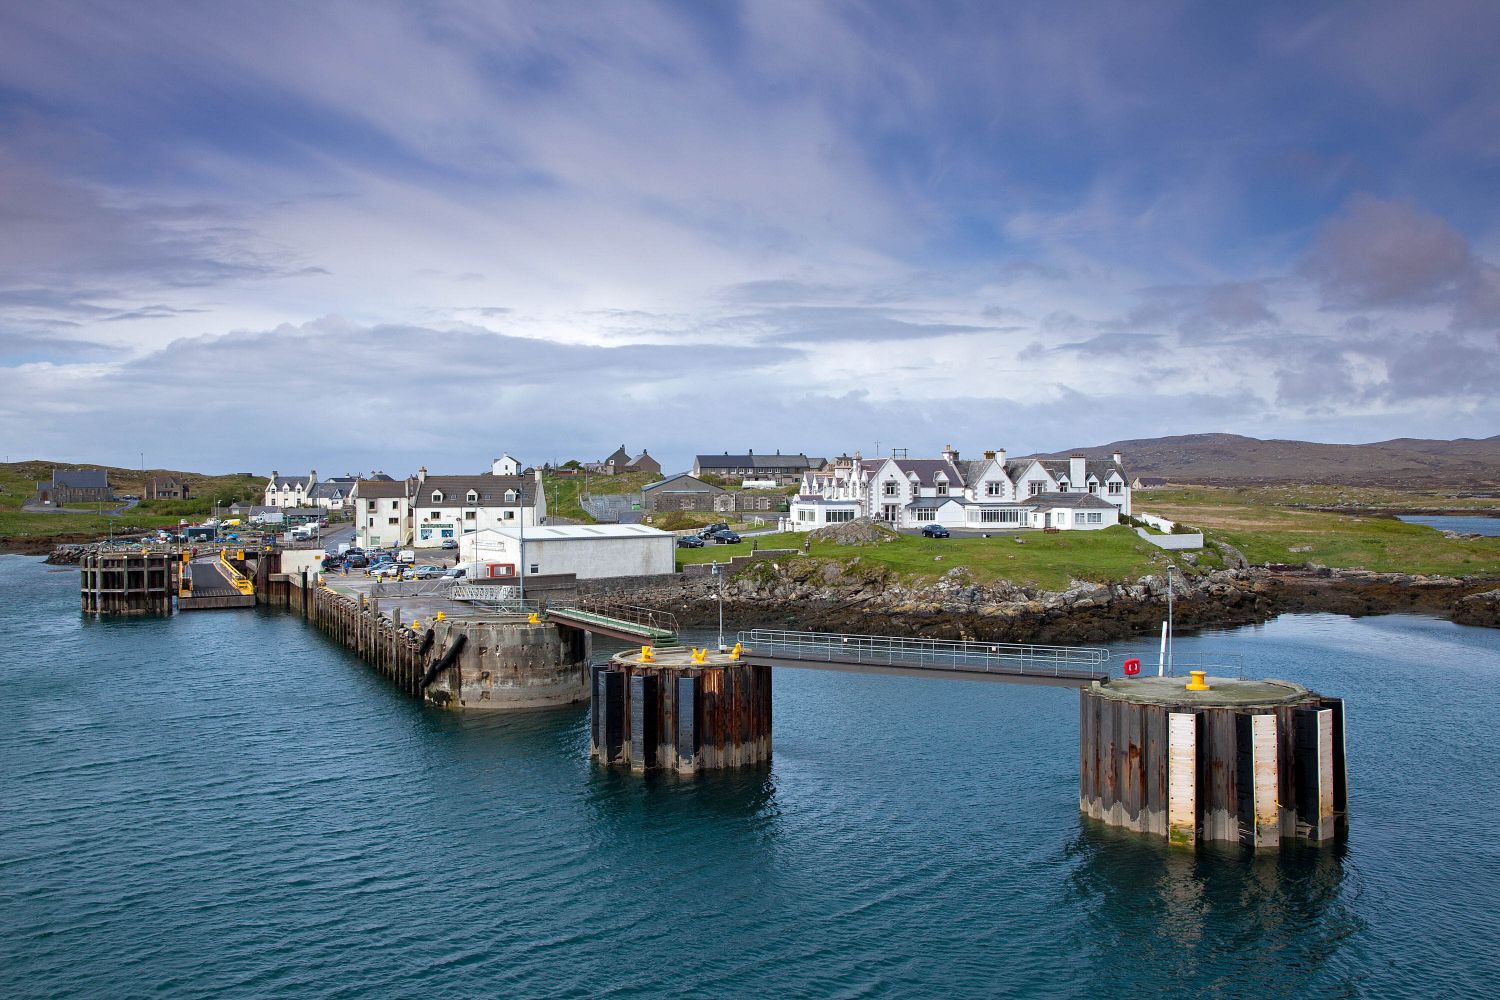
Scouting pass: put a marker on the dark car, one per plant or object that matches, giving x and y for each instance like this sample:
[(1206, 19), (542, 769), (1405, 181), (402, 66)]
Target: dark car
[(935, 531), (726, 537), (331, 561), (713, 529), (689, 542), (356, 560)]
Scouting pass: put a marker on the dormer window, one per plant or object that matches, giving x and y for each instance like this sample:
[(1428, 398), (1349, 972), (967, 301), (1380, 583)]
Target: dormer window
[(473, 496), (437, 496), (510, 496), (942, 487), (1114, 487)]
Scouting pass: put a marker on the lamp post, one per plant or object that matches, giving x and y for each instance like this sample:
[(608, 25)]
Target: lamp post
[(719, 596), (521, 529), (1169, 619)]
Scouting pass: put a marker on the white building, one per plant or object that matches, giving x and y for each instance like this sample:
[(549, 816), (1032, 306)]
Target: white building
[(589, 552), (505, 466), (382, 512), (448, 507), (289, 491), (986, 493), (332, 494)]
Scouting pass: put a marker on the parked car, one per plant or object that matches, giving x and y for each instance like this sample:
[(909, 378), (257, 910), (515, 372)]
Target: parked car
[(356, 560), (726, 537), (689, 542), (331, 561), (456, 572), (423, 573), (388, 571), (934, 531), (450, 543), (713, 529)]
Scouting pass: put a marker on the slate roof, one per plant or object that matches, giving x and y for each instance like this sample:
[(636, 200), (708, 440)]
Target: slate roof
[(682, 483), (1151, 480), (330, 489), (491, 490), (927, 469), (294, 482), (799, 463), (933, 503), (1076, 501), (620, 457), (381, 489), (80, 479)]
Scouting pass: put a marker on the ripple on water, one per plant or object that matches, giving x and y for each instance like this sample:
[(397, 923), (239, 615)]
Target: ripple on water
[(230, 805)]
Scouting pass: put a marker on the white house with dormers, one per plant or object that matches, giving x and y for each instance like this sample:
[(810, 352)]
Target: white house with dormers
[(290, 491), (981, 494), (382, 512), (448, 507)]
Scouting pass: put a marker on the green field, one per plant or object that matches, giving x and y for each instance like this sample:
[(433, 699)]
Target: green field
[(563, 491), (1273, 528), (18, 484), (1046, 561)]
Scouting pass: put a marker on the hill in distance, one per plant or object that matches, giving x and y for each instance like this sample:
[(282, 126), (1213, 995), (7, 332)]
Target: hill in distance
[(1468, 464)]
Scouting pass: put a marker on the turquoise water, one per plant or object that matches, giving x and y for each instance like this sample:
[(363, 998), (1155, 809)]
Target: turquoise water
[(1463, 524), (226, 804)]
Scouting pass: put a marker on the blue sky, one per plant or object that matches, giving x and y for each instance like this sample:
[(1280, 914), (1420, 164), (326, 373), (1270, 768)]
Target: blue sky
[(382, 235)]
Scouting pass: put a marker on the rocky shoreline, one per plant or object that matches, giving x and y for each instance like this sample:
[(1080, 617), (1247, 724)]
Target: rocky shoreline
[(811, 594)]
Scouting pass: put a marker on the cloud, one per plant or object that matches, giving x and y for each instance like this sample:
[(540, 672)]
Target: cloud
[(1380, 253)]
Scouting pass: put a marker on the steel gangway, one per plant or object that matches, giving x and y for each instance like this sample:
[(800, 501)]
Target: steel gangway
[(1073, 666)]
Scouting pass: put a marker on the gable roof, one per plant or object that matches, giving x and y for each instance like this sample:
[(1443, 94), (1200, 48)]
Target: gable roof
[(490, 489), (381, 489), (619, 456), (80, 479), (1079, 501), (681, 483), (753, 461), (329, 490)]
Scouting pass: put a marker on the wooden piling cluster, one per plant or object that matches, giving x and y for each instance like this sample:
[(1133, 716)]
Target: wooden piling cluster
[(395, 653), (127, 582), (678, 715), (1246, 762)]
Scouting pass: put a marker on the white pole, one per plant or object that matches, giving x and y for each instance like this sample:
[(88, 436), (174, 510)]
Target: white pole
[(1161, 660), (1170, 636)]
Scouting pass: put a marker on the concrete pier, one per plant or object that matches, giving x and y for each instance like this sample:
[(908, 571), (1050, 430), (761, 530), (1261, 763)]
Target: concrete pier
[(1238, 762), (673, 713), (468, 662)]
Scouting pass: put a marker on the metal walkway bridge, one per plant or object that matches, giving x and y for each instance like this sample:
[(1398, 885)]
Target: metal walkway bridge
[(624, 622), (1064, 666)]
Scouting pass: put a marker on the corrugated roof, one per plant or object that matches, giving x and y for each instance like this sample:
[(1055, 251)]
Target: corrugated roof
[(790, 462), (581, 532)]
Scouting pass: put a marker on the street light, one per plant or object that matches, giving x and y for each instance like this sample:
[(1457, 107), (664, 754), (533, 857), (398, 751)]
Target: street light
[(719, 596), (521, 530)]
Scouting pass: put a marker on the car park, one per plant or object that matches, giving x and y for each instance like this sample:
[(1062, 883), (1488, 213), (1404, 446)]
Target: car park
[(935, 531), (689, 542)]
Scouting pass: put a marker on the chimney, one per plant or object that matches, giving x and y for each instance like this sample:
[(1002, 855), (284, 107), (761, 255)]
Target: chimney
[(1000, 456), (274, 473), (949, 453), (990, 455), (1116, 456), (1077, 478), (312, 477), (422, 474)]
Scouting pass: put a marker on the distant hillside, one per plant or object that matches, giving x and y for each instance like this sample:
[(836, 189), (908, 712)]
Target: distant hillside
[(1229, 459), (18, 481)]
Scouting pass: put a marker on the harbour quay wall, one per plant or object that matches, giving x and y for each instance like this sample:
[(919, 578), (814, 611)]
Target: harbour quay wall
[(499, 662)]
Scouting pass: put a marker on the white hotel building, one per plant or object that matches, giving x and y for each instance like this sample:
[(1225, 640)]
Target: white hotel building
[(1070, 494)]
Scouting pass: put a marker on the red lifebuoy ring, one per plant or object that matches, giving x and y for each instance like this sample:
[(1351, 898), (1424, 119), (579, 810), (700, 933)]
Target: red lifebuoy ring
[(1132, 667)]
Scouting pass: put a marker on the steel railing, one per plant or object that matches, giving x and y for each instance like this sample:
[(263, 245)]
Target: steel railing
[(934, 654), (650, 618)]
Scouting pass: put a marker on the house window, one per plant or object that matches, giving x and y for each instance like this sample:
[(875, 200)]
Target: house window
[(1093, 487), (1060, 518), (890, 489), (1114, 487), (942, 488), (924, 514), (468, 515), (991, 489), (997, 516), (839, 516), (510, 496), (1093, 517), (1035, 487), (536, 568), (437, 496), (807, 515), (372, 522), (473, 496), (393, 520)]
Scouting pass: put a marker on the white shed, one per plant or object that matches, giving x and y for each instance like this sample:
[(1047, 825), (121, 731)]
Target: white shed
[(588, 551)]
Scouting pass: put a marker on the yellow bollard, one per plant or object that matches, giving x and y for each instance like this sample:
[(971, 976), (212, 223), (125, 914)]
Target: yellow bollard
[(734, 654), (439, 617), (416, 624), (532, 619), (648, 655), (699, 655), (1198, 682)]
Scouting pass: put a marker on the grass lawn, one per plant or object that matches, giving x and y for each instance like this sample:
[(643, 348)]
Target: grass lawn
[(1269, 529), (1046, 561), (563, 491), (18, 524)]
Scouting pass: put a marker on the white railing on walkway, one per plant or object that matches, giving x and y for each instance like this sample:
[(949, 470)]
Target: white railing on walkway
[(936, 654)]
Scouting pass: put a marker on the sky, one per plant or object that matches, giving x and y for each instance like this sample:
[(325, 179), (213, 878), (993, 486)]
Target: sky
[(354, 236)]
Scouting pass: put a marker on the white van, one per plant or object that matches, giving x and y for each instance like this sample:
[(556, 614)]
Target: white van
[(407, 557)]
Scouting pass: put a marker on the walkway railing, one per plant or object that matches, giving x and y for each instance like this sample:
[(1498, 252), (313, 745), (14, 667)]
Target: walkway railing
[(239, 580), (935, 654)]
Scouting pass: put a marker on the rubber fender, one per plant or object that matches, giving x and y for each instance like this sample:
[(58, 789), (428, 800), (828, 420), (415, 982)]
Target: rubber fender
[(447, 660), (427, 641)]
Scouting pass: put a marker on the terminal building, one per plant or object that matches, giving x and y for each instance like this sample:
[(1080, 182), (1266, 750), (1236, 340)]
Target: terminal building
[(587, 551)]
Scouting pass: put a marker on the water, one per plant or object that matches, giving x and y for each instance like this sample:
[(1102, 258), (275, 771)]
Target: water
[(227, 804), (1464, 524)]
